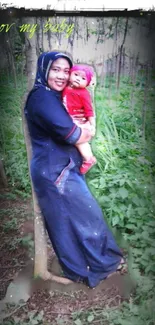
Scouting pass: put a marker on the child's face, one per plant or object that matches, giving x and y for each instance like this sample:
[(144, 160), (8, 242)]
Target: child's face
[(78, 79)]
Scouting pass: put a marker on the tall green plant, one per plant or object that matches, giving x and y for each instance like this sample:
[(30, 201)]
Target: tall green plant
[(13, 151), (124, 181)]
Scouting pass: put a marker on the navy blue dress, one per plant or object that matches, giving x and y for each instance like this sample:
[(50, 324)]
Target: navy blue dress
[(82, 241)]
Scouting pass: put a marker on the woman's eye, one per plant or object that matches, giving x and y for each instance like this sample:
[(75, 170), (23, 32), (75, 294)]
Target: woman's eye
[(83, 78)]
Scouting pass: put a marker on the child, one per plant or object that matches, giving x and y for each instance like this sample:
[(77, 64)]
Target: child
[(78, 103)]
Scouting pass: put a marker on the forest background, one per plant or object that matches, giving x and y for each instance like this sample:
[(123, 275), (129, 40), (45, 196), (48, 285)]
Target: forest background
[(121, 49)]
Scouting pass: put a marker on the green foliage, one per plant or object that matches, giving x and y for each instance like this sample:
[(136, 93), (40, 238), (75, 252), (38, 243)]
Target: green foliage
[(32, 318), (123, 180), (123, 183), (12, 144), (10, 225), (128, 313), (26, 241)]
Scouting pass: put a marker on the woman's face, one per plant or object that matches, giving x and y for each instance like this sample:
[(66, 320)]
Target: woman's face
[(59, 74)]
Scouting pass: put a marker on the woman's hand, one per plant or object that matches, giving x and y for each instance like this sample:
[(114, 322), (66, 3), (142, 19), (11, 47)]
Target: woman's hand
[(86, 134), (87, 125)]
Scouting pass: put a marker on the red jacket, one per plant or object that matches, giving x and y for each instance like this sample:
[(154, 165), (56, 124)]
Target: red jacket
[(78, 101)]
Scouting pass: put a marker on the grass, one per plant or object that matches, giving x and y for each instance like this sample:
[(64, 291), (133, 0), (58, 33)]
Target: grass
[(12, 144), (123, 183)]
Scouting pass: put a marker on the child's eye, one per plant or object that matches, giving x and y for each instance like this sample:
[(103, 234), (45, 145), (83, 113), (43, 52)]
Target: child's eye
[(84, 78), (76, 74)]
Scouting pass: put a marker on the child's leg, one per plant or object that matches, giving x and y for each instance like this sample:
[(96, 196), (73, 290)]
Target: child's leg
[(85, 150), (89, 160)]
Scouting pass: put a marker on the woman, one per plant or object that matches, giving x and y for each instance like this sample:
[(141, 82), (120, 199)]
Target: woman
[(83, 243)]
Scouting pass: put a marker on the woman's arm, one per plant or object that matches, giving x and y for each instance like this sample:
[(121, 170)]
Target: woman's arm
[(45, 109), (85, 135)]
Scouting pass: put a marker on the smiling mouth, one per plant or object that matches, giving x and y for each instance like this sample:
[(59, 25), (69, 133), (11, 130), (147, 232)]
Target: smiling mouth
[(59, 83)]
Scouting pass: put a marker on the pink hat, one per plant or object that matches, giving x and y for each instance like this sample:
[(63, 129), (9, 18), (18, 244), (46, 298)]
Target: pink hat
[(87, 69)]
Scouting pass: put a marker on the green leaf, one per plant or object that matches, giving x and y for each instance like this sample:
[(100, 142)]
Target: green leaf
[(122, 321), (136, 200), (122, 181), (123, 192), (115, 220), (60, 321), (141, 211), (103, 199), (39, 317), (150, 267), (78, 322), (32, 314), (150, 251), (34, 322), (144, 235), (131, 226), (137, 251), (90, 318), (151, 223), (102, 182)]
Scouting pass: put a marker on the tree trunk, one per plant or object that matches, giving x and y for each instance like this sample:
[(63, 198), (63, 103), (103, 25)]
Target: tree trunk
[(117, 66), (40, 263), (114, 50), (130, 65), (91, 88), (102, 73), (120, 53), (123, 63), (144, 109), (49, 40), (3, 179), (42, 34), (73, 34), (12, 61), (133, 81), (110, 80)]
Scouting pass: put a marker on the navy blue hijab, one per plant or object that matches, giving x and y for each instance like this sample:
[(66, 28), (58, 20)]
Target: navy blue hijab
[(44, 63)]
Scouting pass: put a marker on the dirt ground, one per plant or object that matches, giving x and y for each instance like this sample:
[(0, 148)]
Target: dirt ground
[(53, 303)]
